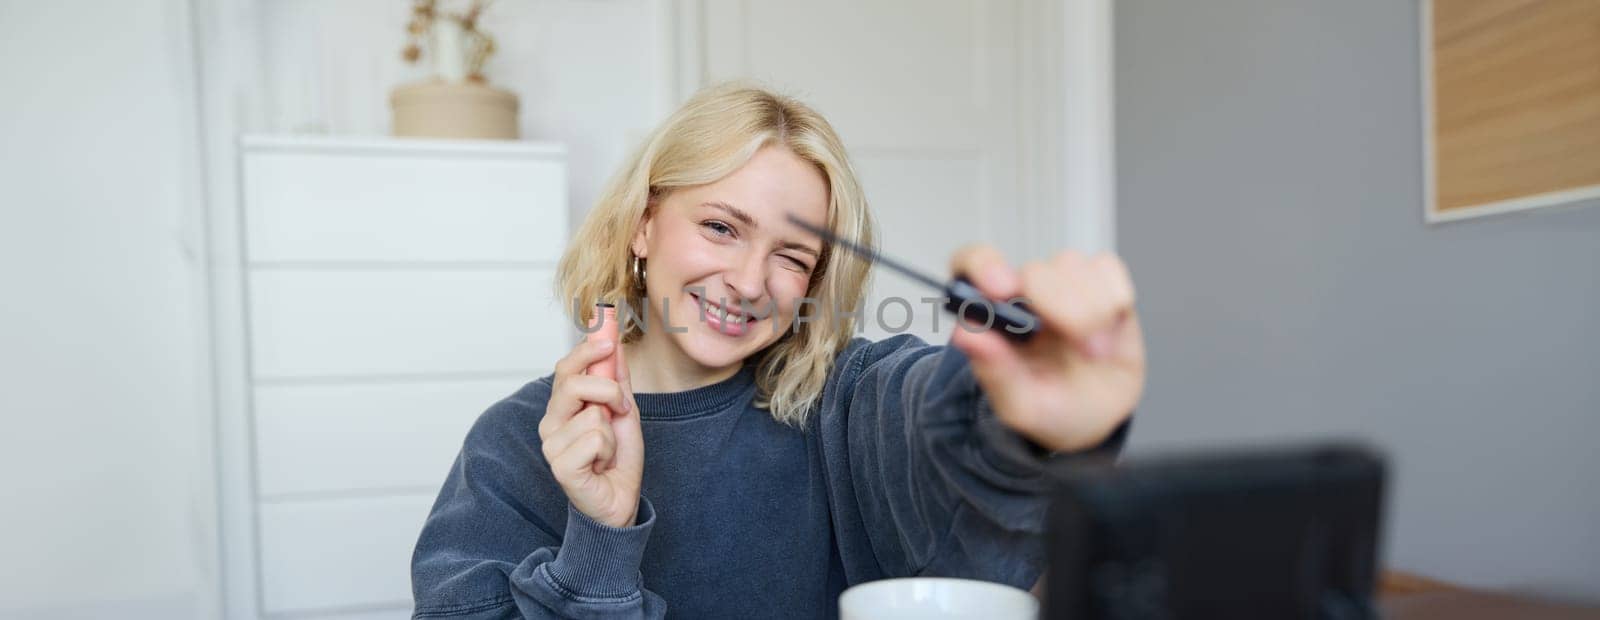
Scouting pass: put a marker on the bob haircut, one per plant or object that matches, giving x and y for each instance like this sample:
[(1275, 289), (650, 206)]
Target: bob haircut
[(710, 137)]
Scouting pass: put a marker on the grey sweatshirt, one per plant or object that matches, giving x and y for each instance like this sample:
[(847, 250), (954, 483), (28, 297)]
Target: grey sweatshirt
[(902, 470)]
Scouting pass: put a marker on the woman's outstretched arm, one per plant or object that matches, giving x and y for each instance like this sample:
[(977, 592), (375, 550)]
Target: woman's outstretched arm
[(925, 478), (936, 455)]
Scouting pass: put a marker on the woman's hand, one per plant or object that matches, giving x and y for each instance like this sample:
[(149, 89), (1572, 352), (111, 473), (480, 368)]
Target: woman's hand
[(595, 453), (1082, 372)]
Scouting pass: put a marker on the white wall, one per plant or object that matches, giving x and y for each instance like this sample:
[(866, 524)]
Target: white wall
[(108, 504), (107, 454), (590, 73)]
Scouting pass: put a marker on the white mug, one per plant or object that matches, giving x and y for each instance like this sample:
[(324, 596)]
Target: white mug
[(932, 598)]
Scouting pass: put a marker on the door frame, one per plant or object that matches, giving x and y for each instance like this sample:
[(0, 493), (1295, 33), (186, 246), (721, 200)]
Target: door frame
[(230, 102), (1066, 58)]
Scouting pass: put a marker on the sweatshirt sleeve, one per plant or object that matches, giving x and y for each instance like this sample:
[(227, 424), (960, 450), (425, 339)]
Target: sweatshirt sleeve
[(925, 478), (503, 542)]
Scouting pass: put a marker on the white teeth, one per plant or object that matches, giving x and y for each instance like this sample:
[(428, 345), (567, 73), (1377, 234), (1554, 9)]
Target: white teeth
[(722, 314)]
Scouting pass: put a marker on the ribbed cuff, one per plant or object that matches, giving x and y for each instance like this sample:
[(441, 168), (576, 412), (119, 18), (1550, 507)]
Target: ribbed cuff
[(1010, 452), (1007, 450), (600, 561)]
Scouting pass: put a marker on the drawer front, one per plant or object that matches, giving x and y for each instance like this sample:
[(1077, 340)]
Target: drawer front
[(403, 207), (365, 323), (401, 437), (331, 554)]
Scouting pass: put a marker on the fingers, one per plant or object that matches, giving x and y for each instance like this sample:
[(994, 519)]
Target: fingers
[(582, 356), (997, 364), (569, 394), (592, 421), (987, 269), (597, 390), (991, 354), (1084, 297), (583, 453)]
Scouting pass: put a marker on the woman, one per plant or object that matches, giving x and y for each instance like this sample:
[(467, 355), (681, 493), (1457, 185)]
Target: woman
[(752, 459)]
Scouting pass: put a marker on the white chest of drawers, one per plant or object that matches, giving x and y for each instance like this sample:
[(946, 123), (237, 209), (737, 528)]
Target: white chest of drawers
[(390, 291)]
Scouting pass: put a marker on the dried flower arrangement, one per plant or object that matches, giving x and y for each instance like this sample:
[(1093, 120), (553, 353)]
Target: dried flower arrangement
[(458, 30), (456, 101)]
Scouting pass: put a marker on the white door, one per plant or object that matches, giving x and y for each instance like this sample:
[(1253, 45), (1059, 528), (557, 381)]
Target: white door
[(945, 106)]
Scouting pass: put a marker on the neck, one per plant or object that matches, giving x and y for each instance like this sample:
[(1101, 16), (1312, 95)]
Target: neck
[(657, 365)]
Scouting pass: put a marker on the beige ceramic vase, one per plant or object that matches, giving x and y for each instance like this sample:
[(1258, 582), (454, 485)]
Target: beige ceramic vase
[(440, 109)]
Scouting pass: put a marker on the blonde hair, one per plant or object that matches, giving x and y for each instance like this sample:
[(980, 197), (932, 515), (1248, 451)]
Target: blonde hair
[(712, 135)]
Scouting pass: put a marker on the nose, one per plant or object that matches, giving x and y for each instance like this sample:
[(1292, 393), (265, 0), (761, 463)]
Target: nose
[(748, 277)]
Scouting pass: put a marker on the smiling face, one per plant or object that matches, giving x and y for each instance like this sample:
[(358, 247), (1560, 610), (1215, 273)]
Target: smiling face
[(727, 263)]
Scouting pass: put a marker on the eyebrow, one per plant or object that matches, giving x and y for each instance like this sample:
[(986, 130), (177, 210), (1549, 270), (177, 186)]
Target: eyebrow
[(799, 247), (744, 217), (736, 212)]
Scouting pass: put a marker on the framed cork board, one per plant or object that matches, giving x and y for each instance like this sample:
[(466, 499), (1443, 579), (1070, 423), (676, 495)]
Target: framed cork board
[(1511, 98)]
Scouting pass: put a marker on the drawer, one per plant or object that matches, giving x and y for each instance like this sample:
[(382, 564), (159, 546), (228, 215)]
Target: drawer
[(400, 205), (332, 554), (309, 323), (366, 436)]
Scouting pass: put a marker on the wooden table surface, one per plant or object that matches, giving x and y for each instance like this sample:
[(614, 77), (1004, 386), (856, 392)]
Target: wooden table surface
[(1404, 596)]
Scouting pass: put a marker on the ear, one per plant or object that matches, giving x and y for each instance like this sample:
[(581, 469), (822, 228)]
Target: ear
[(641, 237)]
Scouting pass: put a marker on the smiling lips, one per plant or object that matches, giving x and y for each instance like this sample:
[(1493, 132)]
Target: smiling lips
[(724, 321)]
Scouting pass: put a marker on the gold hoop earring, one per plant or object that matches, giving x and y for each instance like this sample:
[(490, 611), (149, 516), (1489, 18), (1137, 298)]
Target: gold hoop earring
[(638, 272)]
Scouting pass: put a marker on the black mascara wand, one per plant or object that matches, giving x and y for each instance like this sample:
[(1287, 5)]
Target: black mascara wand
[(962, 299)]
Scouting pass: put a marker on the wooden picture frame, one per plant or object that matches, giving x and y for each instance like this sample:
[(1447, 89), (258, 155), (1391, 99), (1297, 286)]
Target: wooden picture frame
[(1511, 105)]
